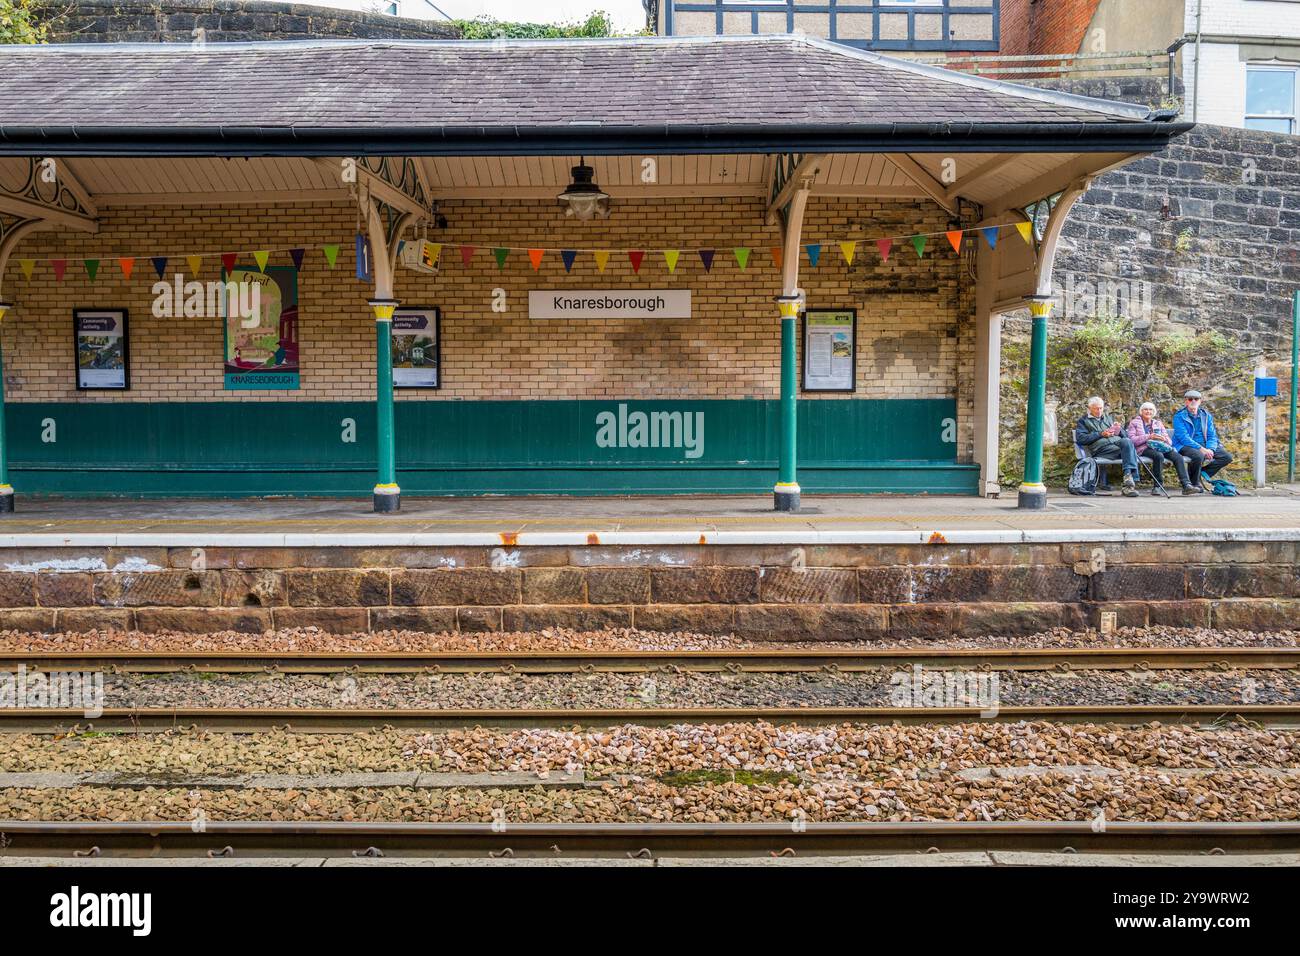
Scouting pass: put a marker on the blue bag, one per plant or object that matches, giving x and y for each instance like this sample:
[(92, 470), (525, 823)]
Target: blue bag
[(1222, 486)]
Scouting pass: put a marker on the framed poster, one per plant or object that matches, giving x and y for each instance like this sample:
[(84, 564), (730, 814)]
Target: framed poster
[(102, 345), (830, 350), (260, 313), (417, 348)]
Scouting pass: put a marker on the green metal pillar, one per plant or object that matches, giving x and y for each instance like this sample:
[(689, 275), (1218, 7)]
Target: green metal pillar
[(6, 489), (1033, 493), (786, 493), (388, 496), (1295, 385)]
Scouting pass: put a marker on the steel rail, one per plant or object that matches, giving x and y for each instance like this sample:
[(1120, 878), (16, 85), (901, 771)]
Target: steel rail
[(311, 720), (745, 660), (373, 838)]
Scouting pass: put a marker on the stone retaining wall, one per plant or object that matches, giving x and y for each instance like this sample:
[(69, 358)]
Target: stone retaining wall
[(833, 592)]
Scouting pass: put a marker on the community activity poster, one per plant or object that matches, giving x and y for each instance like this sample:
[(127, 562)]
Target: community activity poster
[(261, 323), (829, 349), (101, 339), (416, 347)]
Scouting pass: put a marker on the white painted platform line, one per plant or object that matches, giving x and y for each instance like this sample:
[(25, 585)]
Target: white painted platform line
[(574, 539)]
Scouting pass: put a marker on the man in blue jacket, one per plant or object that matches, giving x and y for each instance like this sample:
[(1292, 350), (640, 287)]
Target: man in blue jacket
[(1197, 441)]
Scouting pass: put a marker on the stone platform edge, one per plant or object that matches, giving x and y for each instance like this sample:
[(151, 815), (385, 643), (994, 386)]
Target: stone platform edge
[(634, 538)]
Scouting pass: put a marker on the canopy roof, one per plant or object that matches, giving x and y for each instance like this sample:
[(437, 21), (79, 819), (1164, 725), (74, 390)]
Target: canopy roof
[(669, 95)]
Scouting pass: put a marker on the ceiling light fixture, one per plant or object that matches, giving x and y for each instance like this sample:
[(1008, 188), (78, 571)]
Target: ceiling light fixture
[(582, 198)]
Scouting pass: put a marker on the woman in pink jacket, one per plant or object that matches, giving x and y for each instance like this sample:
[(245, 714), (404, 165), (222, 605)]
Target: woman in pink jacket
[(1151, 441)]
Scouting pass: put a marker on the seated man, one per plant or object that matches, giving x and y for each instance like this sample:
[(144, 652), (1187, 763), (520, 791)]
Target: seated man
[(1100, 436), (1151, 441), (1196, 439)]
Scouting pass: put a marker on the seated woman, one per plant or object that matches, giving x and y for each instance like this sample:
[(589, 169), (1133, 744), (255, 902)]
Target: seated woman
[(1151, 441)]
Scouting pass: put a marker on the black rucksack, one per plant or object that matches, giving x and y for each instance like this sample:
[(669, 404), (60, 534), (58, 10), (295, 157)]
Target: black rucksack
[(1083, 480)]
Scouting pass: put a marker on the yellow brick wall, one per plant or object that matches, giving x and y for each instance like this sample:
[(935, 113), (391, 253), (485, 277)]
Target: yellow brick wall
[(915, 328)]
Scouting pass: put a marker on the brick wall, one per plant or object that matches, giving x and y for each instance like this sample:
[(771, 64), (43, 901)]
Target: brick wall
[(915, 318), (1044, 26), (150, 21)]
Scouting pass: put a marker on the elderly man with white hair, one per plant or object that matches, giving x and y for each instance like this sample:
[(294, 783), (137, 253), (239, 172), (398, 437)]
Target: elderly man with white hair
[(1098, 434), (1151, 441)]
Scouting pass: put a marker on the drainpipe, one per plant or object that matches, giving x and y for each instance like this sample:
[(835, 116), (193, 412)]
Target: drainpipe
[(1295, 385), (1196, 74), (6, 489)]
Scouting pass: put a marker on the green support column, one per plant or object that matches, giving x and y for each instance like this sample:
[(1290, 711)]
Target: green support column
[(388, 496), (786, 493), (6, 489), (1033, 493)]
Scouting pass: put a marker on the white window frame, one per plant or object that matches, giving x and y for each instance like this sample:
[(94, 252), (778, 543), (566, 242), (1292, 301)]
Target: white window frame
[(1294, 115)]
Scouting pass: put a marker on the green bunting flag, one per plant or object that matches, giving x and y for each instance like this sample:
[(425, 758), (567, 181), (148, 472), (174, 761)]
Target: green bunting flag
[(742, 257), (501, 255), (92, 268), (331, 254), (261, 257), (918, 243)]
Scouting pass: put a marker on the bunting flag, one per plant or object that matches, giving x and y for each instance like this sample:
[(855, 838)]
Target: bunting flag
[(331, 256), (885, 246), (776, 257), (670, 259), (466, 254), (501, 254), (567, 256), (847, 249), (706, 258), (195, 263), (262, 257), (92, 267), (28, 267), (59, 265), (295, 254), (1026, 231), (434, 251), (635, 256), (814, 253), (602, 258), (127, 266), (954, 239), (918, 243), (535, 257), (742, 257), (160, 265), (991, 236)]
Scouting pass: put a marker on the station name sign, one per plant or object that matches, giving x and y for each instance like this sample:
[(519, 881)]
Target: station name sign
[(610, 304)]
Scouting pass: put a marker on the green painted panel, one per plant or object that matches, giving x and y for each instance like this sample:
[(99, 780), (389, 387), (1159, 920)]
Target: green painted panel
[(451, 447)]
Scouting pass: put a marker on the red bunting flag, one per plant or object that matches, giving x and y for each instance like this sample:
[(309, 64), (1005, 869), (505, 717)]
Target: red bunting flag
[(466, 254), (635, 256), (127, 266), (535, 257), (885, 246), (228, 260), (954, 239), (60, 266)]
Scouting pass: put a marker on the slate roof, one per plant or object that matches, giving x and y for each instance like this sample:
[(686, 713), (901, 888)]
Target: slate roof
[(460, 90)]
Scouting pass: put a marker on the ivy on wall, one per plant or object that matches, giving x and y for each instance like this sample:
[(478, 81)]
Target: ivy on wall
[(1105, 357), (598, 24), (19, 21)]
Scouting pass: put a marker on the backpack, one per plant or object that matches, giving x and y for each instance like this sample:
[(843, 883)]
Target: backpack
[(1222, 486), (1083, 480)]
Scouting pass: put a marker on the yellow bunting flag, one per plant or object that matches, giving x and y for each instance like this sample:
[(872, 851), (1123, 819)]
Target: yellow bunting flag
[(433, 250), (28, 267), (1026, 231), (195, 263), (670, 258), (602, 258), (126, 265), (848, 249), (954, 239), (261, 257), (535, 257)]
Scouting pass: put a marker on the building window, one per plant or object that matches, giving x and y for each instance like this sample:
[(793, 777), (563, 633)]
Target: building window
[(1271, 98)]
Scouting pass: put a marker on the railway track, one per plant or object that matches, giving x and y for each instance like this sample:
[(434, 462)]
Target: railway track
[(548, 662), (644, 840), (340, 719)]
